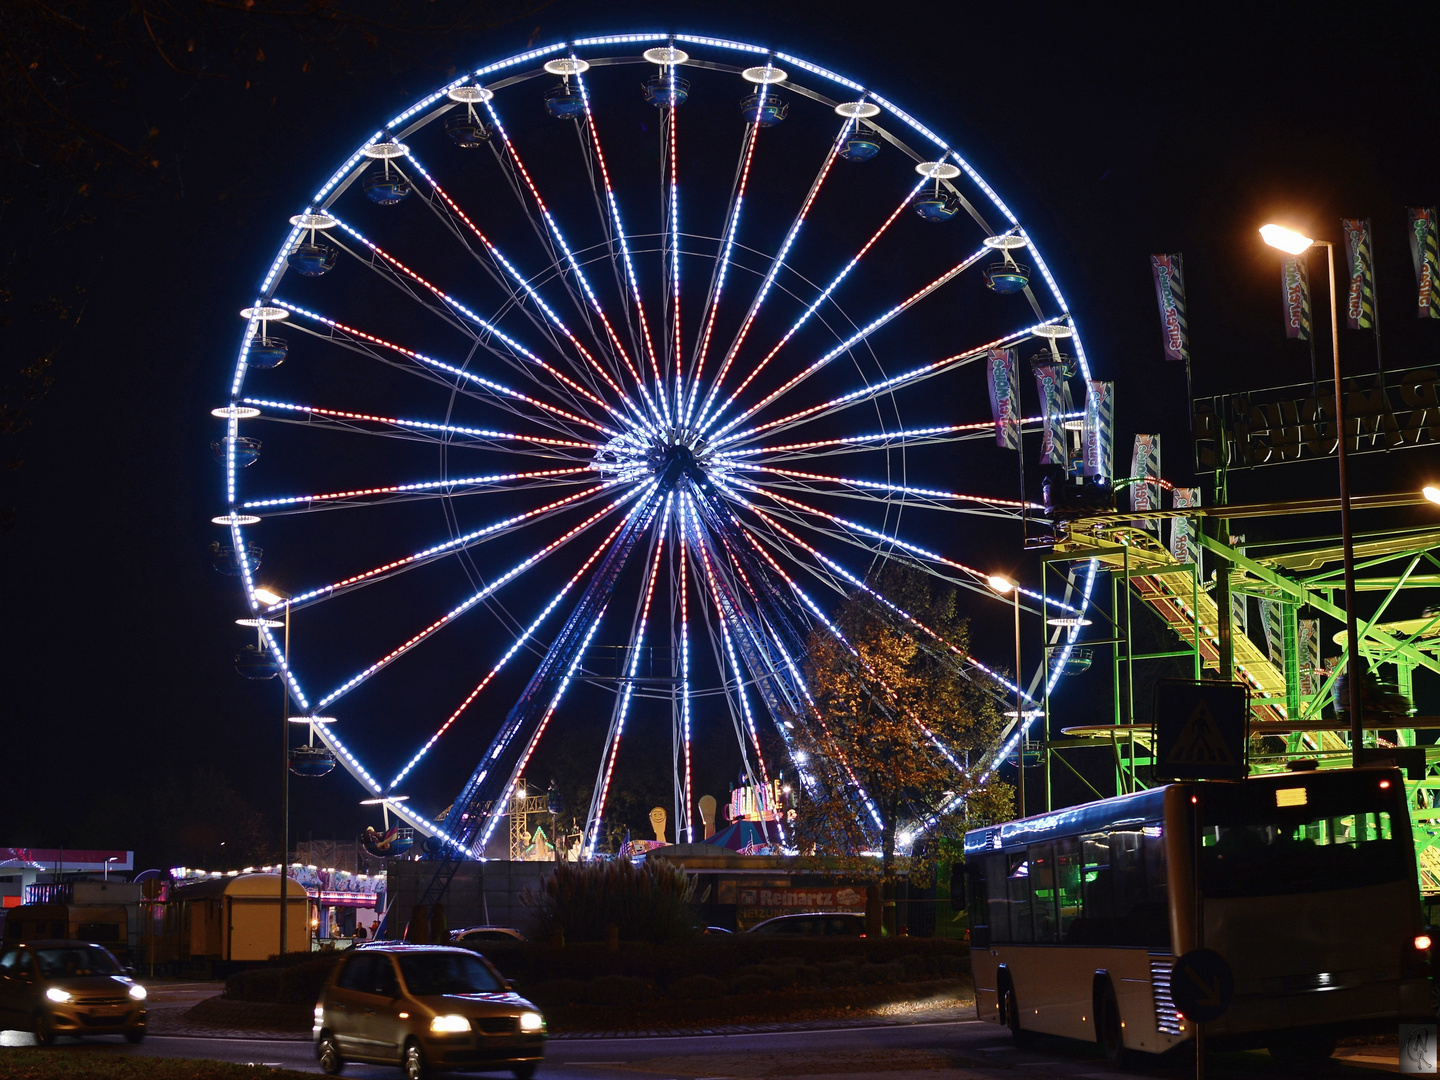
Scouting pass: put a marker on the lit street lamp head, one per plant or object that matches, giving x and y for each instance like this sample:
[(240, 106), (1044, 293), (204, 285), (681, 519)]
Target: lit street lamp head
[(1431, 492), (1000, 583), (1277, 236), (269, 596)]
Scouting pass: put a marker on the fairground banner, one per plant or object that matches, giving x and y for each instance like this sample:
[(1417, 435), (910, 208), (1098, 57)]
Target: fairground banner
[(1307, 644), (1239, 601), (1271, 615), (1170, 292), (1286, 423), (1099, 441), (1295, 291), (1145, 471), (1360, 258), (1004, 397), (1182, 548), (1426, 256), (1050, 380)]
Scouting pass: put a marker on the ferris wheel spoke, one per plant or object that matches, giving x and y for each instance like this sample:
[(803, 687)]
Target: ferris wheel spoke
[(879, 440), (670, 259), (526, 635), (814, 306), (594, 365), (424, 430), (450, 616), (620, 239), (884, 386), (450, 487), (507, 525), (860, 335), (481, 388), (554, 229), (398, 271), (595, 818), (764, 290), (928, 497), (722, 264)]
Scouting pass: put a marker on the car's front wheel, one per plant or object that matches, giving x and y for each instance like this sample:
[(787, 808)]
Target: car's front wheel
[(135, 1035), (524, 1071), (329, 1054), (412, 1062), (41, 1029)]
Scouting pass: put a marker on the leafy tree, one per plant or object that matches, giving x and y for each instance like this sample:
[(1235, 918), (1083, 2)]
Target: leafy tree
[(884, 698)]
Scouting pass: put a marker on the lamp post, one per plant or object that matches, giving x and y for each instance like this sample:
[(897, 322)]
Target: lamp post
[(271, 597), (1003, 585), (1287, 240)]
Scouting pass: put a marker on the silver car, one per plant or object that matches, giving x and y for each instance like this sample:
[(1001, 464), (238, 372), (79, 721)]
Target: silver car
[(54, 988), (425, 1008)]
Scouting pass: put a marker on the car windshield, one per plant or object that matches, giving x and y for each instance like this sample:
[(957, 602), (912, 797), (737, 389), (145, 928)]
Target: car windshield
[(76, 960), (428, 974)]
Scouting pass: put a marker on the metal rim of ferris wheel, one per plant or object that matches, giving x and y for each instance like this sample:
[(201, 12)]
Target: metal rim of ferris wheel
[(642, 386)]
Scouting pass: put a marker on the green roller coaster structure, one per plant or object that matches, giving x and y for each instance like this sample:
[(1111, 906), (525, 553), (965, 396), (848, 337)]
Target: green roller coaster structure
[(1197, 601)]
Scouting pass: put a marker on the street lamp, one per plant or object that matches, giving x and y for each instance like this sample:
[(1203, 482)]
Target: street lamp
[(271, 597), (112, 858), (1431, 492), (1288, 240), (1003, 585)]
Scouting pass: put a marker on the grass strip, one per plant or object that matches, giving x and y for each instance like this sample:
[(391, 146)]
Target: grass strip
[(95, 1063)]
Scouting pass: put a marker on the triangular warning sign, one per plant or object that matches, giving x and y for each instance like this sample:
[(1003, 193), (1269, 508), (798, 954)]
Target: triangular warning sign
[(1200, 741)]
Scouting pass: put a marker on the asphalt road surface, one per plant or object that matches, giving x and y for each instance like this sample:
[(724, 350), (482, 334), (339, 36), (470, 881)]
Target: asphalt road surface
[(927, 1051)]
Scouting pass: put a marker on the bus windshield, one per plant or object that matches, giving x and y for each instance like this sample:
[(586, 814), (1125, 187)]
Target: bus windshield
[(1314, 834)]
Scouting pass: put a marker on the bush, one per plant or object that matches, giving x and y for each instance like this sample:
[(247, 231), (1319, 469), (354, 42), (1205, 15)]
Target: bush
[(646, 903), (750, 984), (261, 984), (620, 990), (918, 967), (303, 982), (841, 973), (875, 974), (556, 992), (697, 988)]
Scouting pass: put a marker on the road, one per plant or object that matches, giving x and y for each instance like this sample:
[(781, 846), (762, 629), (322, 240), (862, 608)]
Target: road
[(962, 1050)]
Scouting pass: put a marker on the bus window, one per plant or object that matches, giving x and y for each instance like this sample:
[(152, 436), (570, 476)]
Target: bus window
[(1067, 882), (1292, 853), (1042, 892), (997, 903), (1017, 885)]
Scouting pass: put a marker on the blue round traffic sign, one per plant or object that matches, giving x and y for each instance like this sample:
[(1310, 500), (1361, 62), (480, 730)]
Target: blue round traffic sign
[(1201, 985)]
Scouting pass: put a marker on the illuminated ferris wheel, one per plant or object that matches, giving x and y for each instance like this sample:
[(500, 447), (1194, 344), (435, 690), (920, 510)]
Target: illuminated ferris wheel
[(599, 371)]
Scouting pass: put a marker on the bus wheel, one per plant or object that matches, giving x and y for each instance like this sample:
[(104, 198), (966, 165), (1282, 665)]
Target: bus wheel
[(1010, 1014), (1302, 1051), (1108, 1032)]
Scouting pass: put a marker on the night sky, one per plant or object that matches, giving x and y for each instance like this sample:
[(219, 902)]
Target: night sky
[(1112, 134)]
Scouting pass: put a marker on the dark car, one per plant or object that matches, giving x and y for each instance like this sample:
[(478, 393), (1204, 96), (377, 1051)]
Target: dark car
[(477, 935), (78, 988), (425, 1008), (814, 924)]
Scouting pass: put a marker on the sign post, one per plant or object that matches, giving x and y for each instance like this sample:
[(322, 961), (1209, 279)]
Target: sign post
[(1201, 733)]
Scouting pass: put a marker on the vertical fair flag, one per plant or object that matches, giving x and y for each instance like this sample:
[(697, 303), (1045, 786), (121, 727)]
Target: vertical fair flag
[(1307, 644), (1295, 290), (1271, 615), (1145, 474), (1239, 602), (1360, 258), (1182, 549), (1170, 292), (1050, 381), (1004, 397), (1426, 256), (1100, 429)]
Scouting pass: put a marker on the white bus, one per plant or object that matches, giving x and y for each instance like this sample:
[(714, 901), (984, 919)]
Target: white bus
[(1308, 890)]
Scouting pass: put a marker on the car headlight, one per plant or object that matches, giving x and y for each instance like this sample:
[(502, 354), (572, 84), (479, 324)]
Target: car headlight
[(56, 994), (448, 1025), (531, 1022), (319, 1013), (138, 992)]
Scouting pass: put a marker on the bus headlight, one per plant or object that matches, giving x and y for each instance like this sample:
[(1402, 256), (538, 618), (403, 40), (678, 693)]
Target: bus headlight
[(531, 1021), (1422, 941), (59, 996), (138, 992), (449, 1025)]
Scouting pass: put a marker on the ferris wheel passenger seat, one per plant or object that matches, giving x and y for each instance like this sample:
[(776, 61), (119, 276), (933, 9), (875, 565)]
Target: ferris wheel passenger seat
[(466, 130), (859, 146), (658, 90), (312, 259), (941, 206), (266, 352), (564, 102), (766, 113), (385, 185)]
